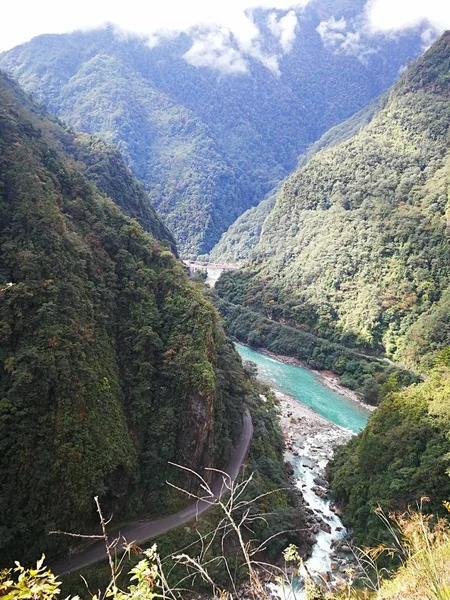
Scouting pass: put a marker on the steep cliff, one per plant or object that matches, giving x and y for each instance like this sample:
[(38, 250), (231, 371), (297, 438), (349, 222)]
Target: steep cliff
[(112, 362)]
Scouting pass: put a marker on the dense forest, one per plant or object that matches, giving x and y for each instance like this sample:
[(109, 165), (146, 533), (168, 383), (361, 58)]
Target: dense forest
[(112, 361), (237, 243), (210, 144), (356, 249), (402, 456), (332, 191)]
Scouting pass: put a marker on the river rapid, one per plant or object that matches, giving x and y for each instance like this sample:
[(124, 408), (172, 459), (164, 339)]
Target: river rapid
[(314, 419)]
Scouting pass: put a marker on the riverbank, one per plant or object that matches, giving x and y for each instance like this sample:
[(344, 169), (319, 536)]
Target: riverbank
[(299, 421), (327, 378)]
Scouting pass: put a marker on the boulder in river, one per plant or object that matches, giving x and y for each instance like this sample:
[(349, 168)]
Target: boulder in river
[(320, 492), (325, 527), (289, 468), (321, 481), (335, 509)]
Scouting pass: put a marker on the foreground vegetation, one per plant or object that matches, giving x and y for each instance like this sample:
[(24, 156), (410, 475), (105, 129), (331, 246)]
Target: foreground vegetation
[(420, 546), (273, 522), (402, 454)]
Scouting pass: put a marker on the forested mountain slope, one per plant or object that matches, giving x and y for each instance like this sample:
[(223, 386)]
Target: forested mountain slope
[(104, 166), (210, 139), (401, 457), (112, 362), (238, 242), (357, 247)]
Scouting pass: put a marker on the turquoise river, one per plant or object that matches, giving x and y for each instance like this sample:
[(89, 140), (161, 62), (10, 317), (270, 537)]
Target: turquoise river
[(306, 387)]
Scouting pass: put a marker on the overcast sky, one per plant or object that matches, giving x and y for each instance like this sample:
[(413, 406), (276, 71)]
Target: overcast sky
[(24, 19)]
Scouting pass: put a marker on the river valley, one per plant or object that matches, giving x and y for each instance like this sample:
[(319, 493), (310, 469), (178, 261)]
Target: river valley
[(314, 420)]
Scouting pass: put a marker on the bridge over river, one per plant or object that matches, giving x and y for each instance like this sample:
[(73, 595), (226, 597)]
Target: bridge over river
[(214, 270)]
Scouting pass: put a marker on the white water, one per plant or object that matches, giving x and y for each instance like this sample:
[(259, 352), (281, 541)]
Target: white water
[(316, 452), (312, 455)]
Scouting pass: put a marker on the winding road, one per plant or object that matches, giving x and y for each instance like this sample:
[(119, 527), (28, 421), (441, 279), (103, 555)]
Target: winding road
[(139, 532)]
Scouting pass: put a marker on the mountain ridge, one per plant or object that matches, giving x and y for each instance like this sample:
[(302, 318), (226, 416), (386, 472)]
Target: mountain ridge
[(253, 124)]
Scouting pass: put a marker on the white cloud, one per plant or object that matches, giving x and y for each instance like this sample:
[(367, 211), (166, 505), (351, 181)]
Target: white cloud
[(213, 49), (218, 49), (25, 19), (269, 61), (284, 29), (346, 38), (226, 34), (394, 15), (224, 31), (428, 36), (332, 31)]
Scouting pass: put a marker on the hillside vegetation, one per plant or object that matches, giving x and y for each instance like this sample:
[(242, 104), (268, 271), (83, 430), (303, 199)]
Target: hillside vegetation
[(409, 436), (421, 543), (208, 143), (238, 242), (357, 249), (112, 362)]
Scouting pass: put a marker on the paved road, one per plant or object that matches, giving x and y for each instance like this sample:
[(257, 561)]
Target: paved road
[(142, 531)]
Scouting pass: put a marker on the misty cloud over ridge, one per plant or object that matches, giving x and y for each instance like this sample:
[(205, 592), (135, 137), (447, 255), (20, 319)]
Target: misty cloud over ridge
[(388, 16), (224, 33), (219, 48)]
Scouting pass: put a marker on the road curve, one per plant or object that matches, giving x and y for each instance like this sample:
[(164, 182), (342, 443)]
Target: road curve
[(139, 532)]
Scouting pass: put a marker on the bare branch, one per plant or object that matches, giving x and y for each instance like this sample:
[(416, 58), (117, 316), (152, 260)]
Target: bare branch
[(107, 544), (77, 535)]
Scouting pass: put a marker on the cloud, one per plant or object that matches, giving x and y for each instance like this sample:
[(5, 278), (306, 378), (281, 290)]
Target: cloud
[(336, 36), (269, 61), (428, 36), (332, 31), (348, 38), (283, 29), (219, 49), (213, 49), (389, 15), (224, 32), (25, 19), (239, 37)]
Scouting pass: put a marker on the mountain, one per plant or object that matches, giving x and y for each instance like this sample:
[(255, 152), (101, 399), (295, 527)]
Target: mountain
[(238, 242), (113, 362), (356, 249), (104, 166), (208, 123), (352, 264)]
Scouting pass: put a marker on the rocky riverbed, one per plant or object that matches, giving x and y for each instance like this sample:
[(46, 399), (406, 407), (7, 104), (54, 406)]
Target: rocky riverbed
[(310, 442)]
